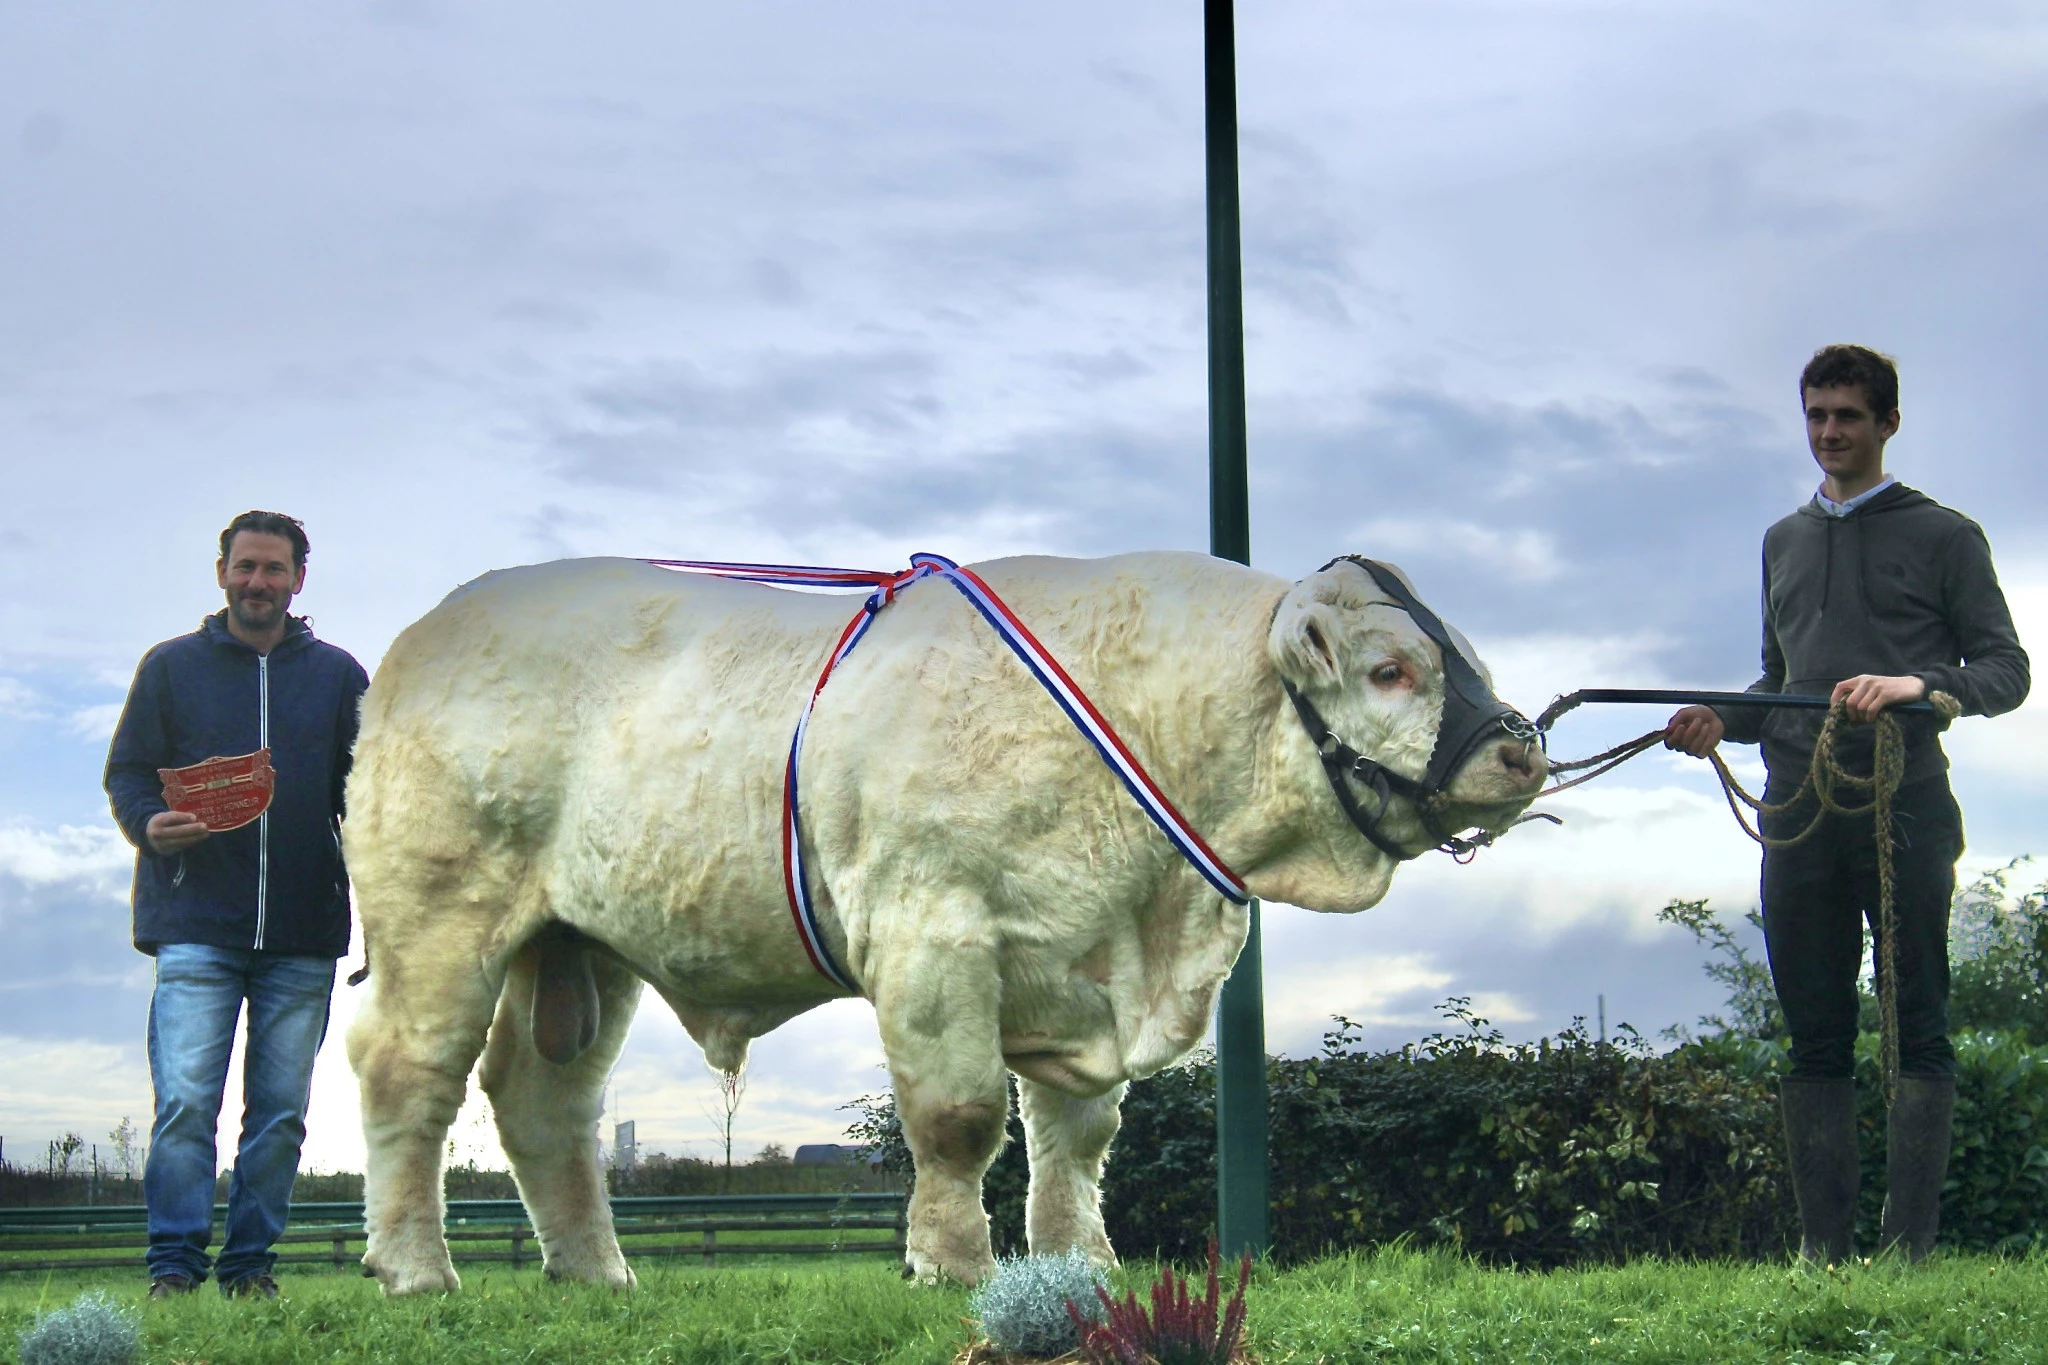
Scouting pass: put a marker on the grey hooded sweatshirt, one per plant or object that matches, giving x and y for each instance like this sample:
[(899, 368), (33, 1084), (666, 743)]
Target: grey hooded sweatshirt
[(1901, 586)]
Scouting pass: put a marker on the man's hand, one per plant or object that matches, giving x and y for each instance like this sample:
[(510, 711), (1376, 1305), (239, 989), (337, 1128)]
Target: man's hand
[(1695, 730), (1869, 693), (174, 831)]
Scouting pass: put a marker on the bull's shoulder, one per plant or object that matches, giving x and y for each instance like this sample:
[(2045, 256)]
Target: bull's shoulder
[(1121, 610)]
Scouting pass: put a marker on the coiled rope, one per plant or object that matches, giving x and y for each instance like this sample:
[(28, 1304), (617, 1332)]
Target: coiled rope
[(1836, 791)]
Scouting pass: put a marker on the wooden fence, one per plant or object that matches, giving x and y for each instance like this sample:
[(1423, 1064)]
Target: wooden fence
[(700, 1227)]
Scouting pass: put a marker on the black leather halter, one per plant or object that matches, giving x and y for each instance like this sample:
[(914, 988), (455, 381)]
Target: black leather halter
[(1472, 715)]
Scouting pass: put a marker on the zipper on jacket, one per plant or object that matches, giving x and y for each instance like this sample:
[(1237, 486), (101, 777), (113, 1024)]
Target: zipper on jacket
[(263, 820)]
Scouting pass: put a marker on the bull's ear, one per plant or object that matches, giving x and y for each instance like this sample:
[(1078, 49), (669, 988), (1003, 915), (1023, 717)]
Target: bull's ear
[(1304, 642)]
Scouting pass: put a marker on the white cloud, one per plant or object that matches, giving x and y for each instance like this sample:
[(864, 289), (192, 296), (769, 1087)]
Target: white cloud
[(1301, 998), (94, 854), (19, 701), (1535, 667), (94, 722), (1502, 1008), (2013, 747), (1524, 555), (1620, 855), (53, 1088)]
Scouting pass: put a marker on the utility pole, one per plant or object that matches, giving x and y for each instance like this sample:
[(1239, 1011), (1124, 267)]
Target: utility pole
[(1241, 1173)]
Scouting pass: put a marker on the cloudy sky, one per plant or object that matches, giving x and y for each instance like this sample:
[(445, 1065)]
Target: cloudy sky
[(1529, 284)]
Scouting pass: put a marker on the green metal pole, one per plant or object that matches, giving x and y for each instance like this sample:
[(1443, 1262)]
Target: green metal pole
[(1241, 1196)]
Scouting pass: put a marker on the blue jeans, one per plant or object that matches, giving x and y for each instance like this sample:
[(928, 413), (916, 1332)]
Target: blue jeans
[(192, 1014)]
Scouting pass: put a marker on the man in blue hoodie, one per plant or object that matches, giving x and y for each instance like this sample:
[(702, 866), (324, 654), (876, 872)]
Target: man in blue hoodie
[(253, 915), (1874, 594)]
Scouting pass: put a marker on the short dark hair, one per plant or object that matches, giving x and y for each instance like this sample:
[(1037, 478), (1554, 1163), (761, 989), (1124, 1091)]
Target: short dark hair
[(269, 524), (1839, 367)]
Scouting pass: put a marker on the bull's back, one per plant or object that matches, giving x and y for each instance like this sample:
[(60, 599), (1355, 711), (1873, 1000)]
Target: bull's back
[(492, 717)]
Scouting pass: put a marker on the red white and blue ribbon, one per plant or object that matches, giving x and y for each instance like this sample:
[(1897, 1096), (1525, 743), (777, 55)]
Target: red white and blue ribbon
[(884, 586), (1089, 722)]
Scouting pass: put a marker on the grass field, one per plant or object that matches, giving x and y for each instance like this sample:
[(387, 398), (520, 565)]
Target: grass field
[(1386, 1306)]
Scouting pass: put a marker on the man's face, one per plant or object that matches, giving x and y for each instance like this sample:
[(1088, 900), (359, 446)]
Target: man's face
[(1846, 437), (259, 579)]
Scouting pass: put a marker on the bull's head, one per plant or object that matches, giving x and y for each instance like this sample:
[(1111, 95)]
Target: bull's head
[(1401, 712)]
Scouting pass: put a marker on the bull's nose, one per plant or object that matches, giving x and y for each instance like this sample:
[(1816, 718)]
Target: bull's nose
[(1523, 758)]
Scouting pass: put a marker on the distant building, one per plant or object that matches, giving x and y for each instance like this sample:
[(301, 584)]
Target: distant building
[(625, 1147)]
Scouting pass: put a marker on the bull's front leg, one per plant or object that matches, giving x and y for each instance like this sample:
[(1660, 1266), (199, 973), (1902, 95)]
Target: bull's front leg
[(936, 1000), (1068, 1142)]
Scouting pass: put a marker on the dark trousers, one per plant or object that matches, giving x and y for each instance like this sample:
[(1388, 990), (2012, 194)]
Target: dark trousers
[(1816, 898)]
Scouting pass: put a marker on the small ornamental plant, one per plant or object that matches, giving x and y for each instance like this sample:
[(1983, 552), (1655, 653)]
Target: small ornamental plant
[(1024, 1306), (92, 1331), (1180, 1330)]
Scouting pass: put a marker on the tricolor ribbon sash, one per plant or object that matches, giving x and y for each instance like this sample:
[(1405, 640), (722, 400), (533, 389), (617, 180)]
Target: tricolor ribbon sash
[(883, 587)]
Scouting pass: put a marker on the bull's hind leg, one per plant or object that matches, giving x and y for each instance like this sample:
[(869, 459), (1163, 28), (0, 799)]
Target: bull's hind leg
[(1068, 1141), (937, 1006), (412, 1045), (547, 1116)]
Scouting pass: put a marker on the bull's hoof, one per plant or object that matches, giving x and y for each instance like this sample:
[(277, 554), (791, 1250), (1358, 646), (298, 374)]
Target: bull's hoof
[(423, 1279), (965, 1270), (615, 1273), (1095, 1246)]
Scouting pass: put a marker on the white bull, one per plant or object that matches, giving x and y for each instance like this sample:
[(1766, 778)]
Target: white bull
[(569, 782)]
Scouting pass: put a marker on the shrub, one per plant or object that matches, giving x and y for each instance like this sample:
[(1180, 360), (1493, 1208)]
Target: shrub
[(1540, 1154), (92, 1331), (1180, 1330), (1996, 1198), (1029, 1306), (1998, 945)]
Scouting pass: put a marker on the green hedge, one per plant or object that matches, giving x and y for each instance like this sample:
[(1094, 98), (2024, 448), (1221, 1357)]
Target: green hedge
[(1558, 1152), (1997, 1192)]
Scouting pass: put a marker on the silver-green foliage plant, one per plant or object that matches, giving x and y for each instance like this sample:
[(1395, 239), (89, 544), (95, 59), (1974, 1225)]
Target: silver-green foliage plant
[(1023, 1305), (94, 1330)]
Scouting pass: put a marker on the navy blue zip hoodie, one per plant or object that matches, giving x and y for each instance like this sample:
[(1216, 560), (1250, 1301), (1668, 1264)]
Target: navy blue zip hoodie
[(277, 884)]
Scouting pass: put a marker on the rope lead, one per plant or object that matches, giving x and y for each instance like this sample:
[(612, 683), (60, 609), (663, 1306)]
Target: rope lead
[(1836, 791)]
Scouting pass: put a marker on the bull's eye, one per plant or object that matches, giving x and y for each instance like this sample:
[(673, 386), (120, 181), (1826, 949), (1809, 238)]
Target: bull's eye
[(1387, 674)]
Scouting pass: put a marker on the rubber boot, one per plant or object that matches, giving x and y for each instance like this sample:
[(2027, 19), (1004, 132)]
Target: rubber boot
[(1820, 1131), (1916, 1163)]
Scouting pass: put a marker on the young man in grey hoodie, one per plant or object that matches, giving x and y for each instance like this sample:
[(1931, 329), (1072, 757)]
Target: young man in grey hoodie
[(1873, 595)]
